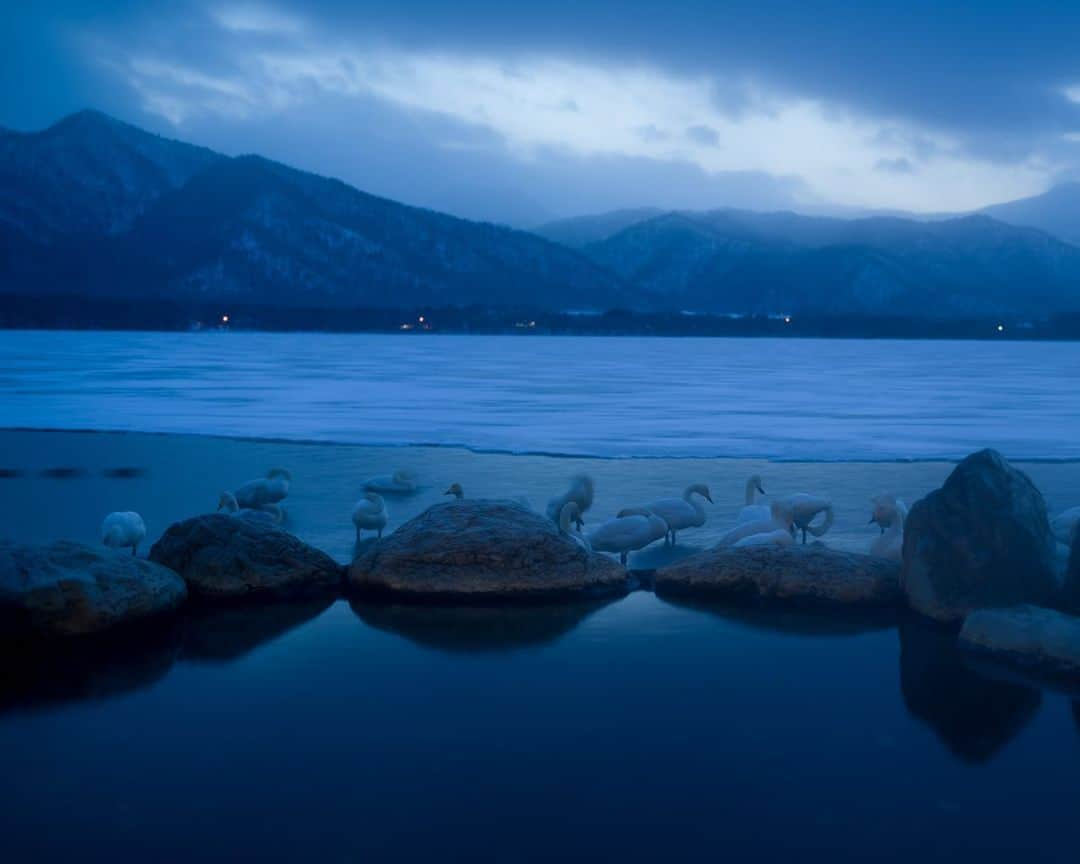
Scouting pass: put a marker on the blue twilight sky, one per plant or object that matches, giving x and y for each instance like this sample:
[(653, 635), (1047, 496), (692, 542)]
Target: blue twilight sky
[(522, 111)]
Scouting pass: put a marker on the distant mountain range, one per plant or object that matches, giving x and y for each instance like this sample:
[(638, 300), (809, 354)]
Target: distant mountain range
[(1056, 212), (731, 261), (93, 207)]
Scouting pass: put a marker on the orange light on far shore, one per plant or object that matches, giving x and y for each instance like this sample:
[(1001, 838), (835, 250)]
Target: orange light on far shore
[(1001, 328), (787, 319), (224, 319), (421, 319)]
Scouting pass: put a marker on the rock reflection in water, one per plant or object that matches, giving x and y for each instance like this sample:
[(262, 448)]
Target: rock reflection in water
[(37, 674), (221, 633), (476, 628), (804, 622), (974, 715)]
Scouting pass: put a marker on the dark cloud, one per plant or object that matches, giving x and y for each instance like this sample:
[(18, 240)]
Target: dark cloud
[(981, 81)]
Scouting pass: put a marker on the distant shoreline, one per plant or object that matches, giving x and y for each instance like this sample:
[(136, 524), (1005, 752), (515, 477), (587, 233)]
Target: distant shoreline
[(540, 454), (66, 312)]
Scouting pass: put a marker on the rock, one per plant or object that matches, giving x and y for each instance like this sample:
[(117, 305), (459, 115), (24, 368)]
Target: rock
[(69, 589), (472, 549), (974, 715), (809, 575), (223, 556), (1041, 641), (982, 539)]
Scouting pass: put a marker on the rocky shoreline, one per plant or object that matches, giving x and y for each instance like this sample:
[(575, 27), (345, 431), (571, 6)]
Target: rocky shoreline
[(978, 557)]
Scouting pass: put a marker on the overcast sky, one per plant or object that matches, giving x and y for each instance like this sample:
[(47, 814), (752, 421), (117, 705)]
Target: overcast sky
[(523, 111)]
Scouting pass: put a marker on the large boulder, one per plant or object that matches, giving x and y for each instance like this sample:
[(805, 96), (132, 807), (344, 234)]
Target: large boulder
[(1043, 642), (483, 549), (798, 575), (69, 589), (222, 556), (983, 539)]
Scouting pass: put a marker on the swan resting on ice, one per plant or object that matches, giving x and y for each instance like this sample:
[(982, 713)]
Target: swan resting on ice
[(634, 528), (571, 515), (781, 518), (804, 508), (580, 493), (455, 490), (753, 511), (889, 513), (124, 529), (685, 512), (369, 514), (401, 482), (271, 489), (227, 502)]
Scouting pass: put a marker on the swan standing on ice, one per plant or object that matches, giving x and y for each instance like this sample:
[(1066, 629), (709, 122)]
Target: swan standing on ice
[(455, 490), (779, 537), (120, 530), (754, 512), (580, 492), (399, 483), (890, 514), (634, 528), (781, 518), (369, 514), (1064, 525), (570, 514), (805, 508), (685, 512), (229, 504), (271, 489)]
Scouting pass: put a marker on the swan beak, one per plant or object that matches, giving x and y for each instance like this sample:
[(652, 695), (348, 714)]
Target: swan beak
[(762, 491), (709, 498), (873, 519), (448, 492)]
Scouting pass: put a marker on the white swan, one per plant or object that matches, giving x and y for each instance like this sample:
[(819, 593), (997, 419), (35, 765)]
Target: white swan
[(120, 530), (805, 508), (401, 482), (778, 537), (256, 494), (1064, 525), (781, 518), (685, 512), (754, 512), (369, 514), (455, 490), (580, 492), (274, 512), (890, 513), (570, 514), (634, 528)]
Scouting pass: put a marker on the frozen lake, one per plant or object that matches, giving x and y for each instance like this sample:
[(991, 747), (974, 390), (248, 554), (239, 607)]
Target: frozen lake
[(620, 396)]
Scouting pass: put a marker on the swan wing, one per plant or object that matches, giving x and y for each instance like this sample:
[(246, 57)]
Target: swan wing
[(677, 512), (755, 513)]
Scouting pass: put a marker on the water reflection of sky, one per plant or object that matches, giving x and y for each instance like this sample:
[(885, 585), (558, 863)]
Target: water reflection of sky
[(409, 732)]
